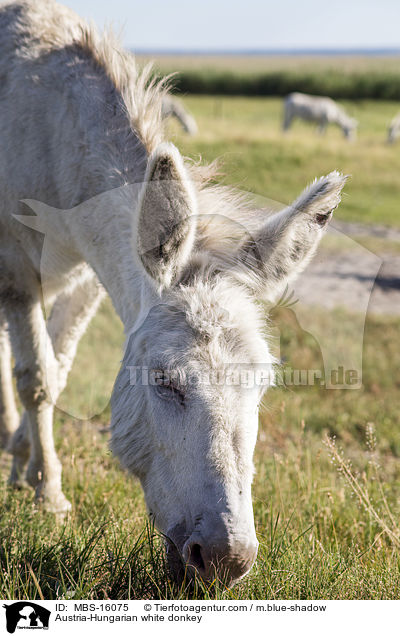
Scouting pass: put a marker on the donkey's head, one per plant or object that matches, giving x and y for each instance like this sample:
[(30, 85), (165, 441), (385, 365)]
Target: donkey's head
[(185, 403), (350, 128)]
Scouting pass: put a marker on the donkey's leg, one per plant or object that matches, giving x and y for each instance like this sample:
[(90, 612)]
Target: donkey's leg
[(19, 447), (69, 318), (36, 371), (287, 118), (9, 417), (14, 433)]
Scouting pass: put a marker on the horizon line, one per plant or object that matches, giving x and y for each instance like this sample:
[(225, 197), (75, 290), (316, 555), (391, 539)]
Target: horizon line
[(314, 51)]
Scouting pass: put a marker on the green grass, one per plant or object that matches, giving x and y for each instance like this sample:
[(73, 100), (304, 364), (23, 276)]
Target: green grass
[(317, 538), (324, 532), (246, 134), (349, 77)]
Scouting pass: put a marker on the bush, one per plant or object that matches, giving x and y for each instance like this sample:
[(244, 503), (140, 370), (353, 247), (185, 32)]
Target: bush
[(360, 85)]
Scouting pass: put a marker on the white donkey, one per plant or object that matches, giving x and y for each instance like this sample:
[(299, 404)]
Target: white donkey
[(320, 110), (77, 122), (394, 129), (171, 107)]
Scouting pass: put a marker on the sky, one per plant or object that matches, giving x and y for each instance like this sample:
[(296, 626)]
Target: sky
[(248, 24)]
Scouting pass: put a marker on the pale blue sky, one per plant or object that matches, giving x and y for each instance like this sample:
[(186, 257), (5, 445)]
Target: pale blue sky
[(248, 24)]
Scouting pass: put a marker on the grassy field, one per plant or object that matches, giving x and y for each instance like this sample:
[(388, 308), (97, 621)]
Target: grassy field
[(325, 530), (340, 76), (260, 63), (246, 134), (326, 514)]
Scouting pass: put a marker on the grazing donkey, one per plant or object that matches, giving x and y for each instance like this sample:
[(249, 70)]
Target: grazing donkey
[(321, 110), (394, 129), (80, 130), (170, 107)]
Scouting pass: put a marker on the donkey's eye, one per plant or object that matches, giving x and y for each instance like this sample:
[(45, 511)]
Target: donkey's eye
[(167, 386)]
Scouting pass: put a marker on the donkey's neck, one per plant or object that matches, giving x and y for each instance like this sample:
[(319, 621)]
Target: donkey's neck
[(103, 227), (103, 232), (342, 120)]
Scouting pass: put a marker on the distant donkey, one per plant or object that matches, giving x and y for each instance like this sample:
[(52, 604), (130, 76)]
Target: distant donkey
[(171, 107), (320, 110), (394, 129), (81, 130)]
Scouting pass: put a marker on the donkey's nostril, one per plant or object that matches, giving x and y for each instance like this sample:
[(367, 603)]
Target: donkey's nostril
[(226, 559), (195, 557)]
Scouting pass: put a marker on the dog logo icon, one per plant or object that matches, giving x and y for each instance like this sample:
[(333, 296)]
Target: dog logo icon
[(26, 615)]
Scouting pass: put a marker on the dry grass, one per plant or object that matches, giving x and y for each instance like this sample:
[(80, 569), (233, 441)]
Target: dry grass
[(259, 63), (326, 530)]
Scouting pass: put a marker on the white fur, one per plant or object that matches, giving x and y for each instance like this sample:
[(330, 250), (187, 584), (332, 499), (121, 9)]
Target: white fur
[(171, 107), (394, 129), (321, 110), (8, 409), (91, 126)]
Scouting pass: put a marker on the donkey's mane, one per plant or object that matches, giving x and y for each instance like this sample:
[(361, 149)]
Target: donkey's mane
[(143, 94), (50, 26), (224, 212)]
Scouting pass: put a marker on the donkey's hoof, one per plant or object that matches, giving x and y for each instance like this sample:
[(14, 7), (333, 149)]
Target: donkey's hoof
[(59, 506), (17, 477), (18, 483)]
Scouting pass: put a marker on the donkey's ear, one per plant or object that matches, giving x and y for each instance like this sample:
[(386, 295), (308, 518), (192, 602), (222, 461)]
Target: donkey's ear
[(286, 242), (167, 215)]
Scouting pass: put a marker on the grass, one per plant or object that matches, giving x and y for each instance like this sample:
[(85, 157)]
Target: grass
[(347, 64), (325, 512), (317, 537), (350, 77), (246, 134), (335, 84)]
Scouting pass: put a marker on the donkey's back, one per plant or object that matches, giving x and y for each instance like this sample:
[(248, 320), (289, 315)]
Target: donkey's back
[(65, 135), (320, 110), (40, 143), (311, 107)]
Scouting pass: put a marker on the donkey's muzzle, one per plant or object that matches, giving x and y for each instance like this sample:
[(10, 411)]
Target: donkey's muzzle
[(226, 559)]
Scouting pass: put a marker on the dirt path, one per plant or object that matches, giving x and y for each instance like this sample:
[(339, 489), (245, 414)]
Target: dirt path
[(353, 276), (359, 229)]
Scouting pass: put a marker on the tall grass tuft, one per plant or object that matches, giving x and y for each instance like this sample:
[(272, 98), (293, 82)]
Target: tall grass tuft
[(361, 486)]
